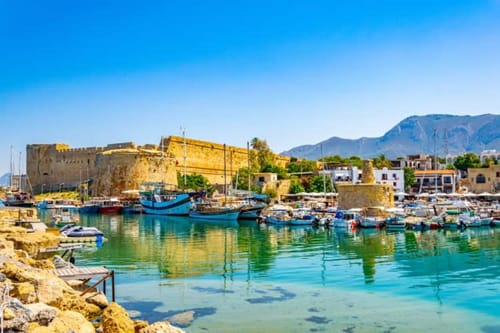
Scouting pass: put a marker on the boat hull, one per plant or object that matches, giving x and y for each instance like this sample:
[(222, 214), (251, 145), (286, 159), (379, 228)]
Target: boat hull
[(180, 205), (229, 215)]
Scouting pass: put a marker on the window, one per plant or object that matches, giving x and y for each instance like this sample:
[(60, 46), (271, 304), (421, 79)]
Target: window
[(498, 174), (262, 179), (384, 176), (447, 180), (480, 179)]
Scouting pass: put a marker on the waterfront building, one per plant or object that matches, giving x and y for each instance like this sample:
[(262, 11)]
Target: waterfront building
[(429, 181), (484, 179)]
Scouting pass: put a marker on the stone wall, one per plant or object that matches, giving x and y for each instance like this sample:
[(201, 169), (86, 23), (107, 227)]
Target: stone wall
[(125, 169), (58, 166), (365, 195), (122, 166)]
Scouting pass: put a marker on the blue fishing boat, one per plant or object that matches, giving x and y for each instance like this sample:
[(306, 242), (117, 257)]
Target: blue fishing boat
[(164, 199)]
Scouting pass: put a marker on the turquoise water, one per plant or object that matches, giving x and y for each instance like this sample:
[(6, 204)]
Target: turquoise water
[(254, 278)]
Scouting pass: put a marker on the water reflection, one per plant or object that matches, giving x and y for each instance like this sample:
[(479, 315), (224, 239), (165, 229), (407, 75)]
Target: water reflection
[(178, 248)]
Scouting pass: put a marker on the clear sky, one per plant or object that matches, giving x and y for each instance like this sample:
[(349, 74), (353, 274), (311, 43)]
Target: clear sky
[(88, 73)]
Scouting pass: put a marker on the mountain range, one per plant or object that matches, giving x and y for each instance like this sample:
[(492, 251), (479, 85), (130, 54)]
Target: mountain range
[(436, 133)]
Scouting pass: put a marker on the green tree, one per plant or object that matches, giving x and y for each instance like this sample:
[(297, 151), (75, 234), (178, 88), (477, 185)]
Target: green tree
[(296, 186), (265, 156), (356, 161), (301, 166), (381, 162), (487, 161), (241, 181), (409, 176), (317, 185), (194, 182), (466, 161)]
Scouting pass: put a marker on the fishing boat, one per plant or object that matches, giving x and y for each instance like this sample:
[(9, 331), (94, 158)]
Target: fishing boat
[(164, 199), (208, 211), (18, 199), (89, 207), (346, 218), (110, 206), (372, 217), (64, 216)]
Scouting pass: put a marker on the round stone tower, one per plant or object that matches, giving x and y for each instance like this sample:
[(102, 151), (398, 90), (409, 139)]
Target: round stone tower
[(367, 193)]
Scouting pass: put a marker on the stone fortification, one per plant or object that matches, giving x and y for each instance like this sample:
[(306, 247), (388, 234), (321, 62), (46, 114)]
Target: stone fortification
[(125, 169), (57, 166), (366, 194), (123, 166), (207, 158)]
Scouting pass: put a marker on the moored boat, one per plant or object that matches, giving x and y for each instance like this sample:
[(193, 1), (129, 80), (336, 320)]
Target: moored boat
[(209, 212), (162, 199)]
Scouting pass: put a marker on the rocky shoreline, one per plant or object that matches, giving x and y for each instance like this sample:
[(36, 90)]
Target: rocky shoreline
[(35, 300)]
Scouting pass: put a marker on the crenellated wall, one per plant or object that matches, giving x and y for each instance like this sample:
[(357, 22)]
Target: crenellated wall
[(122, 166), (58, 166)]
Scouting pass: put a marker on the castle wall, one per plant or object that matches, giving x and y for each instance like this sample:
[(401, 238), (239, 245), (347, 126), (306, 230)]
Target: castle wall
[(125, 169), (58, 166), (122, 166), (207, 158)]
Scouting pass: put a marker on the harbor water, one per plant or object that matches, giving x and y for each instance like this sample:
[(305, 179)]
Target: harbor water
[(246, 277)]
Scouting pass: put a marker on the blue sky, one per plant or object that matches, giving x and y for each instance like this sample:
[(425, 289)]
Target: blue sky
[(89, 73)]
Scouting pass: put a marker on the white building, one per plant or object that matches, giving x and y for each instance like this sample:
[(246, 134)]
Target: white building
[(395, 177)]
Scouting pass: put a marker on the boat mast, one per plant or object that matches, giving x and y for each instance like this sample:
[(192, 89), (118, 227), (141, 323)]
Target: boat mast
[(225, 182), (19, 184), (435, 167), (323, 169), (184, 143), (11, 168), (248, 162)]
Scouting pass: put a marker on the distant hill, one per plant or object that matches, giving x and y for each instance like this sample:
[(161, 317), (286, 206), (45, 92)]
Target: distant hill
[(5, 179), (414, 135)]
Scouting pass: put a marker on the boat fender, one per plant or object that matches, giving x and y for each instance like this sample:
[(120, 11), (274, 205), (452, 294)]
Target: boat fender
[(339, 215)]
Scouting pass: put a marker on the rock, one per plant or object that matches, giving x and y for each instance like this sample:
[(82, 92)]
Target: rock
[(116, 320), (68, 322), (18, 272), (74, 302), (24, 291), (2, 277), (8, 314), (182, 319), (43, 313), (98, 299), (161, 327), (18, 314), (32, 242), (50, 289), (140, 324), (46, 264)]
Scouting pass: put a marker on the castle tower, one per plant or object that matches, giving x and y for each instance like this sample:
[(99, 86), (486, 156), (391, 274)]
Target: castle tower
[(366, 194)]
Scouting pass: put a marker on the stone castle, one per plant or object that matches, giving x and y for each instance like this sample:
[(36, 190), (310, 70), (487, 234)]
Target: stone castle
[(110, 170)]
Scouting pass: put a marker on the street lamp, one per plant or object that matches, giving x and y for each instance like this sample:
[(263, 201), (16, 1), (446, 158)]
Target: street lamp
[(60, 187), (42, 188)]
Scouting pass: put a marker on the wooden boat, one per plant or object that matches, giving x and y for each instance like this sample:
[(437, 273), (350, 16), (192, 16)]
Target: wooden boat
[(18, 199), (89, 207), (110, 206), (160, 199), (207, 211)]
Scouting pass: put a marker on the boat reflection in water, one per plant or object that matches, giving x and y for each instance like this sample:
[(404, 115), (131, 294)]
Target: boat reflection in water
[(281, 278)]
